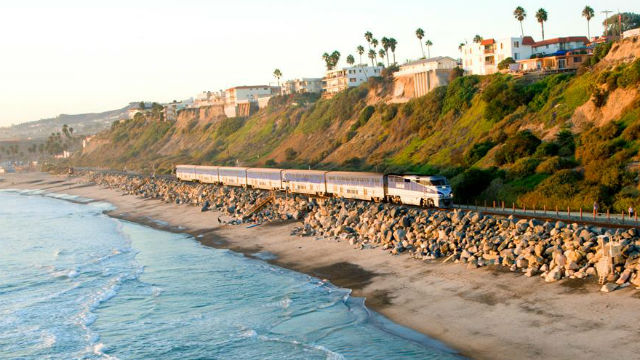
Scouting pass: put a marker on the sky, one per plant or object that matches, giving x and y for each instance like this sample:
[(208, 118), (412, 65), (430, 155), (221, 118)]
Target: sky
[(69, 57)]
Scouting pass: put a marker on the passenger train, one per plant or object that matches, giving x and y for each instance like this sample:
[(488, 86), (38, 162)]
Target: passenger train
[(431, 191)]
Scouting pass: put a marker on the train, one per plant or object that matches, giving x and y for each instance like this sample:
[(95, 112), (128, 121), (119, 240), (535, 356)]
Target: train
[(421, 190)]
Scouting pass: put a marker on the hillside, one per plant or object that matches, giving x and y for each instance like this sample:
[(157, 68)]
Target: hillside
[(86, 124), (565, 140)]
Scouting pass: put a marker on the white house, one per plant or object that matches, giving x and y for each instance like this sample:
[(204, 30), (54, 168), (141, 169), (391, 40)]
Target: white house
[(483, 58), (241, 94), (337, 80), (422, 76), (557, 45), (424, 65), (209, 98), (302, 85), (239, 99)]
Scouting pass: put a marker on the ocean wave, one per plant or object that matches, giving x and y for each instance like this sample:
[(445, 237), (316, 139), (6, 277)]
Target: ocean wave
[(47, 340), (331, 355)]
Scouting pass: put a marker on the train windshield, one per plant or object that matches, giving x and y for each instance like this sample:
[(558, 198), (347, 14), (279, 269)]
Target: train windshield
[(434, 182)]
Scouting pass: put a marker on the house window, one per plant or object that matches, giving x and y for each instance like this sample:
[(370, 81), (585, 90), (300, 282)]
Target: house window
[(577, 59), (501, 46), (516, 44), (352, 80), (516, 56)]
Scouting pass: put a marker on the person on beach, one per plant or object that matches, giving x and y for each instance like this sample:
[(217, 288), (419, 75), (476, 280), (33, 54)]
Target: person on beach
[(595, 207), (631, 212)]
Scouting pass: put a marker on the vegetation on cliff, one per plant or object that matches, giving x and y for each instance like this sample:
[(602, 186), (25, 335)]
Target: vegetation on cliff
[(564, 140)]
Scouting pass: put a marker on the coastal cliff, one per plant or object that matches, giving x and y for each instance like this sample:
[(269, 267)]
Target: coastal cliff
[(497, 137)]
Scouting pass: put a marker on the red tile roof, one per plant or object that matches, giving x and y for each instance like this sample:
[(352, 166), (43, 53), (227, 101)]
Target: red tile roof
[(560, 40), (528, 40), (487, 42)]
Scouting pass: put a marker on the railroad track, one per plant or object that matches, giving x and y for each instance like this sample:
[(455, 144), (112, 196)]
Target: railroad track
[(600, 220)]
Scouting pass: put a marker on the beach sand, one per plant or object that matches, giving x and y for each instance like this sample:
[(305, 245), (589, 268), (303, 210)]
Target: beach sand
[(486, 313)]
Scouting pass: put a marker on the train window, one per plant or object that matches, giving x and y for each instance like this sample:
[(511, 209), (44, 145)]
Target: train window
[(407, 180)]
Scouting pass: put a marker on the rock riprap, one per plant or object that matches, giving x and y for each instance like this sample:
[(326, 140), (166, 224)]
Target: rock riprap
[(551, 250)]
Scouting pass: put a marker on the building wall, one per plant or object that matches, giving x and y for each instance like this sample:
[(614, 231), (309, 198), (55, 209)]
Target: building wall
[(568, 62), (303, 85), (425, 82), (340, 79), (484, 59), (552, 48), (426, 65)]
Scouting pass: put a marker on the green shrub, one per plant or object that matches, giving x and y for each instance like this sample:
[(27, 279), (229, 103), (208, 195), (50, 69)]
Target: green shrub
[(553, 164), (630, 75), (599, 96), (523, 168), (524, 143), (547, 149), (270, 163), (601, 50), (229, 126), (388, 113), (566, 143), (424, 110), (459, 93), (477, 152), (504, 64), (470, 183), (290, 154)]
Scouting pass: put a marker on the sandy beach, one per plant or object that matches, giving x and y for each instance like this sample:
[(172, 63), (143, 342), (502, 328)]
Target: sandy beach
[(484, 313)]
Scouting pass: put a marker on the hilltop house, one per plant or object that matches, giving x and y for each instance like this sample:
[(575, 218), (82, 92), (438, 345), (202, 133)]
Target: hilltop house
[(239, 99), (483, 58), (337, 80), (209, 98), (558, 45), (424, 75), (559, 54), (302, 85)]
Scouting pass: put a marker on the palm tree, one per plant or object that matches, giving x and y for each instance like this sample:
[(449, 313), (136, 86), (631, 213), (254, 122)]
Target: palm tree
[(420, 35), (460, 46), (392, 45), (368, 36), (335, 57), (327, 60), (519, 13), (588, 14), (382, 53), (350, 59), (477, 39), (386, 46), (360, 49), (374, 43), (429, 44), (541, 15), (277, 74), (372, 55)]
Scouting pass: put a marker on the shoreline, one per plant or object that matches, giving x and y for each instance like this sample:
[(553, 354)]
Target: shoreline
[(483, 314)]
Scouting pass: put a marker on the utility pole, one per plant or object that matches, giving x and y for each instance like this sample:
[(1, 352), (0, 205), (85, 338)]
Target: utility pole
[(606, 17), (620, 23)]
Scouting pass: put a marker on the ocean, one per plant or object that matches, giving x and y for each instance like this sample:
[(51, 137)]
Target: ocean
[(77, 284)]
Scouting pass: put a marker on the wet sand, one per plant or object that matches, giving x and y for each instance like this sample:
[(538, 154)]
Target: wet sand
[(484, 313)]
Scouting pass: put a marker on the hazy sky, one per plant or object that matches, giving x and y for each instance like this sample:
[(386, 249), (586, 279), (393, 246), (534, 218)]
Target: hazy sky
[(90, 56)]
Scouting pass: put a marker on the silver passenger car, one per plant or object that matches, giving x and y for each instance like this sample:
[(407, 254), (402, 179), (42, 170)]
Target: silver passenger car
[(186, 172), (356, 185), (207, 174), (233, 176), (304, 181), (265, 178)]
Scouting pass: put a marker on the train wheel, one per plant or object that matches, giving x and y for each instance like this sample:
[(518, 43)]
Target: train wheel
[(430, 203)]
